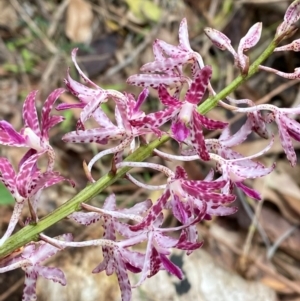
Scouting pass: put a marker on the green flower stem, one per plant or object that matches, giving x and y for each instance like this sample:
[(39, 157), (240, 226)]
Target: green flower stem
[(31, 232)]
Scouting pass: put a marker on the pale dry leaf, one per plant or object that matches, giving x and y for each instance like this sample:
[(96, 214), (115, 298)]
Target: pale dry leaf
[(287, 264), (220, 252), (277, 226), (286, 186), (272, 196), (79, 21)]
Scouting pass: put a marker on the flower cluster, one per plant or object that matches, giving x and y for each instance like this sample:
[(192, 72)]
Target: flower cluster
[(189, 201)]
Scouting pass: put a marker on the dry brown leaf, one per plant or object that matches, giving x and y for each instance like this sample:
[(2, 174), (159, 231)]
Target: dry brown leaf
[(273, 197), (287, 265), (276, 227), (286, 186), (79, 21), (223, 255)]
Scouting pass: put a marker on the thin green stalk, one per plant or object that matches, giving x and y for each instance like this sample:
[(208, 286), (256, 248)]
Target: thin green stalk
[(31, 232)]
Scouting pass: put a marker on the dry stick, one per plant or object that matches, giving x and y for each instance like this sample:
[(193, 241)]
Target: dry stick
[(11, 289), (251, 215), (142, 46), (50, 46), (280, 239), (56, 17), (251, 231), (51, 68), (292, 285)]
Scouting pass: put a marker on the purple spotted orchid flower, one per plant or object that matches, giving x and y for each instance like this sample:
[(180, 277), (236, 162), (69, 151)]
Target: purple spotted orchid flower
[(131, 123), (158, 244), (189, 200), (255, 120), (30, 259), (116, 258), (167, 68), (236, 168), (33, 135), (90, 98), (288, 128), (188, 122), (116, 255), (27, 185)]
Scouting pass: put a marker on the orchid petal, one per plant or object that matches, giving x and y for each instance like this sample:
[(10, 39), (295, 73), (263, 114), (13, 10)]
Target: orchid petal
[(197, 137), (251, 38), (51, 273), (169, 50), (153, 213), (199, 85), (30, 116), (166, 64), (180, 173), (286, 140), (292, 14), (9, 136), (249, 191), (46, 121), (98, 135), (123, 279), (155, 80), (29, 292), (184, 36), (8, 175), (85, 218), (170, 266), (180, 130), (92, 105)]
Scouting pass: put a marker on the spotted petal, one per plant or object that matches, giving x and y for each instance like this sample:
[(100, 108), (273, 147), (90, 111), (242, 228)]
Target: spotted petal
[(30, 116)]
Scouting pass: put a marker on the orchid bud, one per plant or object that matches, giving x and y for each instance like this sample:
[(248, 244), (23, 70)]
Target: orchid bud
[(294, 75), (292, 13), (287, 27), (251, 38), (219, 39), (294, 46), (285, 31)]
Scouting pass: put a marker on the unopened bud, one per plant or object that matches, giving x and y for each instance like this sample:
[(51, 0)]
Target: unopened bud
[(219, 39), (292, 13), (251, 38), (294, 46)]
